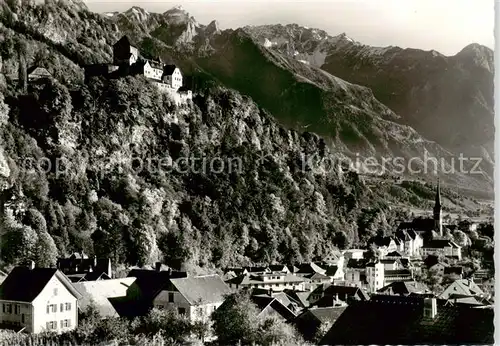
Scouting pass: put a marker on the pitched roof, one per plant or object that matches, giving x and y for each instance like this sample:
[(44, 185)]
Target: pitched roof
[(126, 40), (299, 296), (272, 306), (328, 314), (202, 289), (37, 70), (394, 254), (98, 292), (150, 282), (463, 286), (24, 284), (394, 320), (168, 70), (310, 320), (403, 288)]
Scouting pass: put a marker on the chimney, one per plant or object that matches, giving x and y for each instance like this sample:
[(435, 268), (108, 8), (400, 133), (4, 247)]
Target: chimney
[(430, 308), (31, 265), (158, 266)]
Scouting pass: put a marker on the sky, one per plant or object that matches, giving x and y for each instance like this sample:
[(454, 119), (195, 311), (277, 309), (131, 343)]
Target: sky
[(443, 25)]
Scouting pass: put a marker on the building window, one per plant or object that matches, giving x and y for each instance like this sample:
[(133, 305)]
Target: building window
[(22, 318), (18, 309), (170, 297), (182, 311), (160, 306), (9, 308), (65, 323), (55, 291), (68, 306), (62, 307)]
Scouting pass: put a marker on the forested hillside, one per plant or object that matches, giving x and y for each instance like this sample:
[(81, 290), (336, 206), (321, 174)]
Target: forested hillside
[(235, 186)]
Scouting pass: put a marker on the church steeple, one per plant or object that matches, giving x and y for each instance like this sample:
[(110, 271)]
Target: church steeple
[(438, 219)]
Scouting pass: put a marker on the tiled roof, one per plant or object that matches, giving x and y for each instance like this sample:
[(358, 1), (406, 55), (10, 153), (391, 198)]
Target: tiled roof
[(98, 292), (24, 284), (202, 289), (393, 320), (403, 288), (463, 286)]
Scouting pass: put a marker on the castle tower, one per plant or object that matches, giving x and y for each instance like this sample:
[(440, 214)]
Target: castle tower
[(438, 218)]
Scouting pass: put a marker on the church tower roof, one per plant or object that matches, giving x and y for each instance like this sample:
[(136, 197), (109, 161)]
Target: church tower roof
[(438, 197)]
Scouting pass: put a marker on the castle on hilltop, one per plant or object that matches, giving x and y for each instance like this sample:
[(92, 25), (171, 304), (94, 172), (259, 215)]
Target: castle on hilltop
[(127, 61)]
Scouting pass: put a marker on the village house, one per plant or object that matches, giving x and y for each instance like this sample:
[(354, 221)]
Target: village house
[(79, 267), (148, 283), (37, 73), (411, 241), (38, 300), (276, 281), (270, 306), (331, 295), (196, 297), (355, 272), (312, 320), (464, 287), (444, 247)]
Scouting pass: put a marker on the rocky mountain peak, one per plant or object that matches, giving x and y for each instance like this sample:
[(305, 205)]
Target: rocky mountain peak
[(477, 55), (212, 28)]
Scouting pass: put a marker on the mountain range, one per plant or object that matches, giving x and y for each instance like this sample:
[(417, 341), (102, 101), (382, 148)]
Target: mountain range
[(368, 101)]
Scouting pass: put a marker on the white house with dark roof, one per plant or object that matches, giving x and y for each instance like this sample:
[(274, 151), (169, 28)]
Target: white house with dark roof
[(38, 300), (196, 297)]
